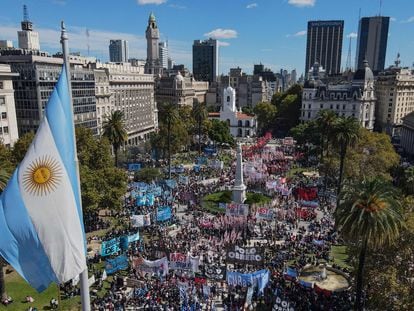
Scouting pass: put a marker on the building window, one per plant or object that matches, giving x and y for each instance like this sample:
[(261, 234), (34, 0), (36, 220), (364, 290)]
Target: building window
[(309, 115), (343, 107), (309, 106), (4, 115), (337, 107), (6, 130), (338, 97), (240, 132), (240, 123), (321, 106), (345, 97), (2, 101), (331, 106), (247, 133), (1, 85), (228, 99), (353, 107), (247, 123)]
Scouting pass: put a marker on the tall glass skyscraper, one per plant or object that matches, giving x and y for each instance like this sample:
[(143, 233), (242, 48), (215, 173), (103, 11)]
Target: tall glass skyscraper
[(324, 45), (372, 42), (118, 51), (205, 60)]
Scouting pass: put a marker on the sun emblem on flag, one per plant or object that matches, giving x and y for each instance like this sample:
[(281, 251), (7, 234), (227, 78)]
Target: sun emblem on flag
[(42, 176)]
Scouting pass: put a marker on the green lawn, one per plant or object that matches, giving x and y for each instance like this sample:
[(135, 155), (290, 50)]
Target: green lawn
[(338, 252), (18, 289)]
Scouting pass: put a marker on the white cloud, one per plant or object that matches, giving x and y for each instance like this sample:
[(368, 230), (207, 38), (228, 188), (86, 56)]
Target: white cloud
[(302, 3), (251, 6), (220, 33), (352, 35), (409, 20), (223, 43), (156, 2), (300, 33)]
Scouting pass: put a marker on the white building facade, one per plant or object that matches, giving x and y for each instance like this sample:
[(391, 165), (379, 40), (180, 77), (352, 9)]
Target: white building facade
[(8, 122), (354, 98), (241, 124), (394, 89)]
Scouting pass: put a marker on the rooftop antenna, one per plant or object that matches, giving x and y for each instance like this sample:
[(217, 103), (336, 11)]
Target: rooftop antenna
[(25, 13), (380, 7), (87, 38), (348, 59), (359, 15)]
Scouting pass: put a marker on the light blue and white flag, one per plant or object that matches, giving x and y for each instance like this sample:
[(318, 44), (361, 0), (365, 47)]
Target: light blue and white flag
[(41, 226)]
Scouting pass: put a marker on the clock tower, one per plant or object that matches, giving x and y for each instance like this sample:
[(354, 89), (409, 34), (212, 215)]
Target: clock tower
[(153, 64)]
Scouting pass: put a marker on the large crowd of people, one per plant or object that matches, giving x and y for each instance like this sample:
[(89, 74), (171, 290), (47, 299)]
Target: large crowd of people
[(299, 232)]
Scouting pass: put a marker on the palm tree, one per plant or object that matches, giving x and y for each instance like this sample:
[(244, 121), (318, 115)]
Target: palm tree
[(114, 129), (169, 115), (200, 114), (370, 215), (4, 177), (326, 121), (346, 132)]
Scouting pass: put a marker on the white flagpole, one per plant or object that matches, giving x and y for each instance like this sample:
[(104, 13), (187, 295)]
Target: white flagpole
[(84, 286)]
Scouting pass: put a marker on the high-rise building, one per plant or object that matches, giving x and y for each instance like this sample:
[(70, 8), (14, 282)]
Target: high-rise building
[(6, 44), (28, 39), (8, 122), (324, 45), (118, 51), (163, 52), (153, 65), (205, 60), (395, 93), (372, 42), (38, 74)]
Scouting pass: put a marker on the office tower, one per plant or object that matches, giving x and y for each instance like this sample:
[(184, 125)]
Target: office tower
[(324, 45), (28, 39), (6, 44), (205, 60), (118, 51), (163, 52), (372, 42), (153, 65)]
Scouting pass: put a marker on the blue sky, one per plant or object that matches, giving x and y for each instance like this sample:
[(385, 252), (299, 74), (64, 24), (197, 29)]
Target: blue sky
[(272, 32)]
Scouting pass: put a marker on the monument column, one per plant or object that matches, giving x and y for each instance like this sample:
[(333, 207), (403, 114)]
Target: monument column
[(239, 189)]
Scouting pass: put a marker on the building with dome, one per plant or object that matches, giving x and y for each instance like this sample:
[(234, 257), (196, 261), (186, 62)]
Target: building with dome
[(241, 124), (180, 90), (353, 97)]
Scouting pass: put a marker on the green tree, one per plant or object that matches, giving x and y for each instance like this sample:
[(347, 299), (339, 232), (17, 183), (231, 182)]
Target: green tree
[(169, 116), (147, 174), (346, 131), (102, 184), (220, 132), (199, 113), (288, 105), (372, 155), (114, 129), (326, 121), (21, 146), (266, 113), (369, 215)]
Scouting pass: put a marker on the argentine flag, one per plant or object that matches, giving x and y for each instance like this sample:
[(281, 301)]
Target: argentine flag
[(41, 226)]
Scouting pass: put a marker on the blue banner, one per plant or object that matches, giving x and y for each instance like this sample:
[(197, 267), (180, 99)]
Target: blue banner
[(164, 213), (110, 247), (259, 278), (123, 243), (133, 237), (116, 264), (210, 150), (201, 160)]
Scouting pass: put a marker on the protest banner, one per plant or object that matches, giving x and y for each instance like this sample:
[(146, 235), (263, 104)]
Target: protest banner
[(179, 261), (116, 264), (234, 209), (259, 278), (164, 213), (158, 267), (91, 280), (215, 272), (245, 255), (110, 247), (264, 213), (141, 220), (133, 167), (282, 304)]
